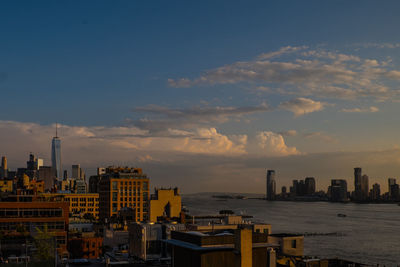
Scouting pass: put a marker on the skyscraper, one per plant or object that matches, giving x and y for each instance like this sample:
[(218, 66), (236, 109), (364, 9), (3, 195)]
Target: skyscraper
[(76, 171), (338, 190), (375, 192), (357, 184), (271, 185), (4, 168), (393, 189), (310, 185), (364, 187), (56, 155)]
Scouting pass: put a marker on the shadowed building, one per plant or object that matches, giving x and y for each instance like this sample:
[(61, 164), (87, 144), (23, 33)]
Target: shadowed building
[(375, 193), (271, 185), (47, 174), (4, 168), (338, 190), (238, 248), (36, 216), (361, 187), (309, 185), (391, 182)]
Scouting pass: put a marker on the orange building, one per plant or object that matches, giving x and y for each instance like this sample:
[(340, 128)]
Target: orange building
[(124, 187), (35, 216)]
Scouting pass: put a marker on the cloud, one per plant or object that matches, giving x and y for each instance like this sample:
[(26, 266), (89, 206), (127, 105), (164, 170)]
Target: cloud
[(109, 143), (163, 118), (288, 133), (361, 110), (281, 51), (273, 144), (306, 72), (301, 106), (321, 136), (172, 162)]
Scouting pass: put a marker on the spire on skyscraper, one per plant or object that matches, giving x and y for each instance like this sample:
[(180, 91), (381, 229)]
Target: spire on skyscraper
[(56, 154)]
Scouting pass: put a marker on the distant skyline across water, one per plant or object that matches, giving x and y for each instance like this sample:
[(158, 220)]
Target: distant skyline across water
[(205, 96)]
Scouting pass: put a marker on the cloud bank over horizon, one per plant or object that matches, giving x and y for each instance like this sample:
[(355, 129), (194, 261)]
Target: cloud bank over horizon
[(206, 161)]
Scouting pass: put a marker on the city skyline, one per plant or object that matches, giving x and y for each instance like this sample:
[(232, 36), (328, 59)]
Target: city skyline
[(207, 102)]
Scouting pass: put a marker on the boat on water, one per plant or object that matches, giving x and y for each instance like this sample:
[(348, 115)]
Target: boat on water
[(341, 215)]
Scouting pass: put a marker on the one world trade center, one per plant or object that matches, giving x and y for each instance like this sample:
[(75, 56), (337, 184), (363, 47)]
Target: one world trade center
[(56, 155)]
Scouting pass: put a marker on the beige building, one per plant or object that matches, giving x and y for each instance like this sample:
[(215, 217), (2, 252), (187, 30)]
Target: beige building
[(79, 204), (165, 203), (290, 244), (124, 187)]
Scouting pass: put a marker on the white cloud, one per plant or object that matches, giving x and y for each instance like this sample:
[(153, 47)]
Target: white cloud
[(301, 106), (99, 143), (273, 144), (306, 73), (361, 110)]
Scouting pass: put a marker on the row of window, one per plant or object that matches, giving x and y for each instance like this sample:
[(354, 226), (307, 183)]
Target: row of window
[(32, 226), (75, 199), (84, 205), (25, 212)]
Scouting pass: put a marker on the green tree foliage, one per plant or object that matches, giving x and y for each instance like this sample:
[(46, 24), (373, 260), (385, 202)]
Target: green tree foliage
[(44, 242)]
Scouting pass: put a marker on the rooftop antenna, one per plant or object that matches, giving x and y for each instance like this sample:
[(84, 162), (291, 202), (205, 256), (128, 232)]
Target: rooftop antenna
[(56, 130)]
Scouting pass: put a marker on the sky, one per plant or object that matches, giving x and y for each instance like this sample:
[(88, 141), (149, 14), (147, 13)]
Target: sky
[(205, 95)]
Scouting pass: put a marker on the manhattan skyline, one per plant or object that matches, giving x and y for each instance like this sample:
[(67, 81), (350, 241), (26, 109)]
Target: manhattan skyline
[(208, 95)]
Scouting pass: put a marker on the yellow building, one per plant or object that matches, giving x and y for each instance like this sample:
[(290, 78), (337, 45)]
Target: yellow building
[(124, 187), (6, 185), (165, 203), (79, 204), (36, 186)]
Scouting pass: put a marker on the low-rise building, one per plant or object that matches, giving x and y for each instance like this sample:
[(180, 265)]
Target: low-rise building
[(241, 247), (85, 247), (79, 204), (6, 185), (290, 244), (36, 216), (165, 203)]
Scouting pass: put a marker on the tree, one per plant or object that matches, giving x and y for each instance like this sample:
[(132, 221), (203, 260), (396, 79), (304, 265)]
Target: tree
[(44, 242)]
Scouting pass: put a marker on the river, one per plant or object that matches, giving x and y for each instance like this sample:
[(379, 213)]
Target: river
[(370, 233)]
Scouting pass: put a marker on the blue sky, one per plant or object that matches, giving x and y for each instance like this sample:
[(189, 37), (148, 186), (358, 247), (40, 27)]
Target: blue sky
[(164, 81)]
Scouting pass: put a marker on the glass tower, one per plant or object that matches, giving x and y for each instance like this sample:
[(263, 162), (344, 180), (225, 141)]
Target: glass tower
[(56, 155)]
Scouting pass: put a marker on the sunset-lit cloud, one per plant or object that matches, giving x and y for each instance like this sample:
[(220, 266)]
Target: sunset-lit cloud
[(305, 72), (301, 106), (361, 110)]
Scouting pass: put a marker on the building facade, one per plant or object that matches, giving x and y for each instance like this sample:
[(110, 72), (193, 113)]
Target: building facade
[(36, 216), (79, 204), (165, 203), (124, 187)]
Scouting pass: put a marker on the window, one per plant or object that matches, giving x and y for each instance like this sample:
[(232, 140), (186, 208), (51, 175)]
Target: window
[(266, 231), (293, 243), (115, 185)]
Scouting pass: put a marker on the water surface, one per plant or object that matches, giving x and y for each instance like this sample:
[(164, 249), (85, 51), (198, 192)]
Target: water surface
[(368, 234)]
